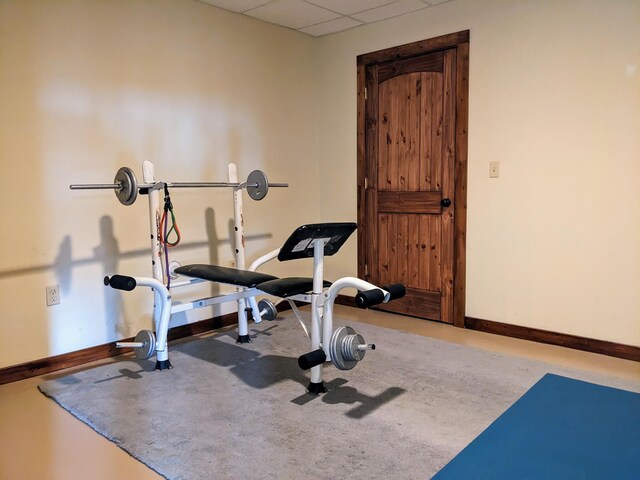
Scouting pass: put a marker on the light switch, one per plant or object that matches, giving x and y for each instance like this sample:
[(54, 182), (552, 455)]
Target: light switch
[(494, 169)]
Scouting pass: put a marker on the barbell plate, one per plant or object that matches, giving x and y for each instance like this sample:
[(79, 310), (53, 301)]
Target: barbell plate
[(128, 191), (148, 340), (335, 348), (269, 309), (257, 185)]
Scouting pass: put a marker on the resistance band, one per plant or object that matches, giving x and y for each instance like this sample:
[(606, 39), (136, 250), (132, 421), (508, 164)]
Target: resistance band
[(165, 231)]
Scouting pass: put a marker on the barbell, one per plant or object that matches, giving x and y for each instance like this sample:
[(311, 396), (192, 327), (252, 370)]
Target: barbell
[(126, 185)]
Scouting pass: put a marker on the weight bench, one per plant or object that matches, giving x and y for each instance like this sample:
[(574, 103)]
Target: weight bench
[(343, 347), (278, 287)]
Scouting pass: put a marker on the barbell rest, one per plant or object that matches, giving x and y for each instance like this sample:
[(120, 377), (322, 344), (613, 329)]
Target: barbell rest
[(312, 359)]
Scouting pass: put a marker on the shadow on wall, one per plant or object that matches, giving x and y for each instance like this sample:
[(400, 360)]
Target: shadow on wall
[(107, 254)]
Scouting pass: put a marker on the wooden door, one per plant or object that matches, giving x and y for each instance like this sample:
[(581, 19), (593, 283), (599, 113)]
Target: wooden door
[(409, 208)]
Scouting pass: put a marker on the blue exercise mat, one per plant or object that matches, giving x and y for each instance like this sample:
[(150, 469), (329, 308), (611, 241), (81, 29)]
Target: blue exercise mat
[(561, 429)]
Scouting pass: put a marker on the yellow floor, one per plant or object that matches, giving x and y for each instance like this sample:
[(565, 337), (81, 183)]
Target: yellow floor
[(39, 440)]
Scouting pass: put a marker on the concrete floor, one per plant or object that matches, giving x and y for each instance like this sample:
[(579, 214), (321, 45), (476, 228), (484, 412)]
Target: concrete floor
[(40, 440)]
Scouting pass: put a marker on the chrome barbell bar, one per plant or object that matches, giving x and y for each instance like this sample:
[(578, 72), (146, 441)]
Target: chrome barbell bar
[(126, 185)]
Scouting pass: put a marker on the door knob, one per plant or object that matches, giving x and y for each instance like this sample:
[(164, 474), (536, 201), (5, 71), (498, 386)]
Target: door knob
[(445, 202)]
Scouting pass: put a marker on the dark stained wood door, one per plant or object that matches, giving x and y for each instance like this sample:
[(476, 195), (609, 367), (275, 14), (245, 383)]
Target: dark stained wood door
[(409, 184)]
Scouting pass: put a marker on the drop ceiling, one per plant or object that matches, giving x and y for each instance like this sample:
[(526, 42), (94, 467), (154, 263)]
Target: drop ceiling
[(323, 17)]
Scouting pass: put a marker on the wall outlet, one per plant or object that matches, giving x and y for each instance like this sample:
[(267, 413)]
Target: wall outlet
[(53, 295)]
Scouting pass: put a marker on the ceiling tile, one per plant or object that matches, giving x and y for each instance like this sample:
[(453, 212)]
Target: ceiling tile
[(236, 5), (332, 26), (391, 10), (292, 13), (347, 7)]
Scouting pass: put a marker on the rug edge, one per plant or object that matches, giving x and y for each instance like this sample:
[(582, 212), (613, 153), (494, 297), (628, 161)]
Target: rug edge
[(89, 424)]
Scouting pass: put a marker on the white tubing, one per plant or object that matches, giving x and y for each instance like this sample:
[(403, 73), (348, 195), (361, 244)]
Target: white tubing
[(186, 283), (148, 174), (318, 285), (154, 221), (357, 283), (238, 223), (327, 326), (264, 259), (163, 297), (257, 316)]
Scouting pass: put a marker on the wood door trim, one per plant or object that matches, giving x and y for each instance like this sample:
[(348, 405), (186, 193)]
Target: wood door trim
[(416, 48), (460, 202), (460, 42)]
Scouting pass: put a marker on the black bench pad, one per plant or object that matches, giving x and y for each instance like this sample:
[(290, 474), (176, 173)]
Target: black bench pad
[(288, 287), (215, 273)]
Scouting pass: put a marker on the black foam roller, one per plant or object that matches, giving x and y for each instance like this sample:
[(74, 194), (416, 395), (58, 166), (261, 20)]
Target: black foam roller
[(396, 290), (120, 282), (369, 297), (312, 359)]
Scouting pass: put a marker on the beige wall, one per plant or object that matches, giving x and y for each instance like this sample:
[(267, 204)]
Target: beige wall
[(89, 86), (554, 243)]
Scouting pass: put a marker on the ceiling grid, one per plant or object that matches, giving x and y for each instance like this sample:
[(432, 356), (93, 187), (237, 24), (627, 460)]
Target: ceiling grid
[(323, 17)]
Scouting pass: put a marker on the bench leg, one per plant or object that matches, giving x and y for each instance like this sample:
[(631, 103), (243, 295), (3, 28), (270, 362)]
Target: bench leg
[(243, 327)]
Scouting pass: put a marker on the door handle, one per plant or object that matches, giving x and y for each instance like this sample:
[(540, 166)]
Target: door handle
[(445, 202)]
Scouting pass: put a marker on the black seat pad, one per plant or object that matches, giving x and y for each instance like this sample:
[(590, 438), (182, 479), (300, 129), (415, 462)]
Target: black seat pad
[(287, 287), (232, 276)]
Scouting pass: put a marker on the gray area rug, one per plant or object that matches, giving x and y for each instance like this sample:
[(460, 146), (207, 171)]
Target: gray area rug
[(228, 411)]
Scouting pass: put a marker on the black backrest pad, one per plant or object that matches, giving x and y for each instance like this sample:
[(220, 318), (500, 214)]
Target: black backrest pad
[(300, 243)]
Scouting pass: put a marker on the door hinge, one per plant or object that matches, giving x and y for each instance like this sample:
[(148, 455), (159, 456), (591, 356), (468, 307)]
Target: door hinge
[(366, 183), (365, 93), (366, 270)]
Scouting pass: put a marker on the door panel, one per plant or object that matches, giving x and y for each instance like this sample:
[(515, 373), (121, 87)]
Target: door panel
[(409, 202), (410, 160), (399, 133)]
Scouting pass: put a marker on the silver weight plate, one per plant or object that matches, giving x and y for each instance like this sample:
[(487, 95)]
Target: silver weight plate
[(338, 357), (350, 347), (128, 191), (148, 339), (257, 185), (271, 312)]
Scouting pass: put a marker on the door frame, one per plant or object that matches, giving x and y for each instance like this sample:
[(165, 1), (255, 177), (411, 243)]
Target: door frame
[(460, 42)]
